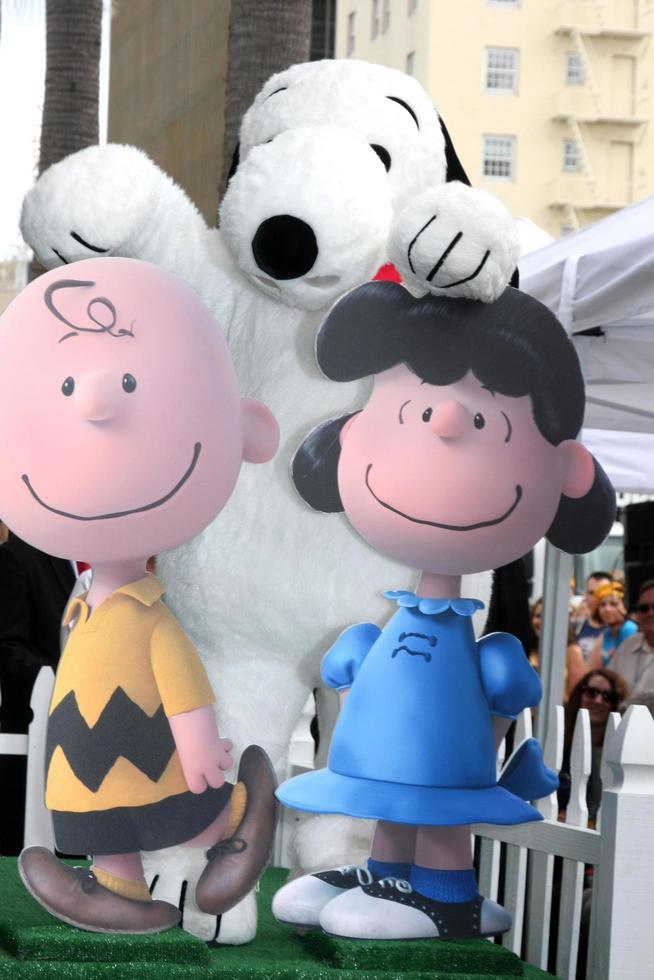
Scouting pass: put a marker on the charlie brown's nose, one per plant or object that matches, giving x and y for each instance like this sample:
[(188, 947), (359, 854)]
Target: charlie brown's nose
[(449, 419), (98, 396)]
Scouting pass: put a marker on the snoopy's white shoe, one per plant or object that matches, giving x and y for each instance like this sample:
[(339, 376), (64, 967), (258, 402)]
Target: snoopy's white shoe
[(301, 901), (390, 909)]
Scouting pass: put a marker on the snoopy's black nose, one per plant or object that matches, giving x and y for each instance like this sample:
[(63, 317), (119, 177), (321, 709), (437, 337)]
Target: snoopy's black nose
[(284, 247)]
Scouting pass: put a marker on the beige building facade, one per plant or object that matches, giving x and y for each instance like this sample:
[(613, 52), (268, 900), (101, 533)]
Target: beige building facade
[(13, 278), (550, 103), (167, 88)]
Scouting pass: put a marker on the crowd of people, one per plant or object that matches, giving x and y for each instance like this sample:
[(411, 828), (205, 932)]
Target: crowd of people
[(609, 665)]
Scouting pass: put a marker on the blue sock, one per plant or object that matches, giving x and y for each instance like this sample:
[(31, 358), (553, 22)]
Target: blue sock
[(389, 869), (444, 886)]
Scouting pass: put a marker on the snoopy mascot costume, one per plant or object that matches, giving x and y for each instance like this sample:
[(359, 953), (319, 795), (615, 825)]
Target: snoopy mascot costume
[(342, 167)]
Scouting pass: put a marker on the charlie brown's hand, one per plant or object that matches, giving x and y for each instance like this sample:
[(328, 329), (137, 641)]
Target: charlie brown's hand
[(203, 755)]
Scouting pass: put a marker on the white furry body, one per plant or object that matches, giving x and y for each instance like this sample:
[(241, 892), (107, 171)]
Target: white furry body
[(265, 590)]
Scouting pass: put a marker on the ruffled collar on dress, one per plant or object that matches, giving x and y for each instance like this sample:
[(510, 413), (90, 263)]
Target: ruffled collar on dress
[(432, 607)]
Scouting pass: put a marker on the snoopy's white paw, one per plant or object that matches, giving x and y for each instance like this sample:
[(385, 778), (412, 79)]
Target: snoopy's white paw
[(329, 841), (169, 870), (239, 925), (198, 923), (457, 241)]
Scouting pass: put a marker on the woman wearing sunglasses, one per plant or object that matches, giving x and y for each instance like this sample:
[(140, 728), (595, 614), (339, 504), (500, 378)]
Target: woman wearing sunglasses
[(600, 692), (634, 658)]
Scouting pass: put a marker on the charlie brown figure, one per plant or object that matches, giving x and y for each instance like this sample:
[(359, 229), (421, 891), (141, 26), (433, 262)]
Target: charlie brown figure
[(463, 457), (122, 435)]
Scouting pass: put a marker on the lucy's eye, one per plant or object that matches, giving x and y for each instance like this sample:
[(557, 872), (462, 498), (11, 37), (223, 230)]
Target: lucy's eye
[(479, 421), (129, 383), (68, 387), (426, 415)]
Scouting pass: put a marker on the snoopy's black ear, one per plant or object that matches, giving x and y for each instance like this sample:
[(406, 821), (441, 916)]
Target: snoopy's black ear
[(454, 171), (235, 162), (454, 167)]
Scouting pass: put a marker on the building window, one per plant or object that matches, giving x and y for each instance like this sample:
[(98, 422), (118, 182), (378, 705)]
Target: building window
[(499, 157), (351, 32), (566, 230), (412, 6), (503, 3), (374, 27), (571, 155), (410, 67), (501, 70), (574, 69), (386, 16)]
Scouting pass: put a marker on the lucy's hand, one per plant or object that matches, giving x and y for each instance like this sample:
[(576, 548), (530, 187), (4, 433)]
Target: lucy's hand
[(204, 756)]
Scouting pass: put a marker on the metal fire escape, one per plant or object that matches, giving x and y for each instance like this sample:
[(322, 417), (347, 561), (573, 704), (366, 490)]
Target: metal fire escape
[(582, 22)]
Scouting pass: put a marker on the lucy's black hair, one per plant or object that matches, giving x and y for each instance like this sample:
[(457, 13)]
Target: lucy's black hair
[(515, 346)]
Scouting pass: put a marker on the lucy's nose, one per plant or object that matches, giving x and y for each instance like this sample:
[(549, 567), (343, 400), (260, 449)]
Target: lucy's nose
[(449, 420)]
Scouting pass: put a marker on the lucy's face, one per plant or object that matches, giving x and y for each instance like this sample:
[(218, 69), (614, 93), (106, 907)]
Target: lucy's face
[(449, 479)]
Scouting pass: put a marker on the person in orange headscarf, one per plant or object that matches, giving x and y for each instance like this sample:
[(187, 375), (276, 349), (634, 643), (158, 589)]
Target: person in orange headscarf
[(612, 612)]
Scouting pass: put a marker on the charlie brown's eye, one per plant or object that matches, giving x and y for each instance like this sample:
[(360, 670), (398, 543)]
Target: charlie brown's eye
[(479, 421), (426, 415), (129, 383), (68, 387)]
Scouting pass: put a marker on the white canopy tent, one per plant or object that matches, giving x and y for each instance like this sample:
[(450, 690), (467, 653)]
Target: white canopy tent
[(600, 284)]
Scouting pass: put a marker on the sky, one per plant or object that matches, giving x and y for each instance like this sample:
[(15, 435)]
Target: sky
[(22, 75)]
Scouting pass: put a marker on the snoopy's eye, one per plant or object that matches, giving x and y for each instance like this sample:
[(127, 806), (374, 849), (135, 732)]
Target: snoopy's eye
[(68, 387), (129, 383), (479, 421), (383, 155), (426, 415)]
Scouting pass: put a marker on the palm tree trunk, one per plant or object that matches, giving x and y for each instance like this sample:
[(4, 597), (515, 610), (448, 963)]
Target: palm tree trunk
[(70, 108), (72, 84), (265, 36)]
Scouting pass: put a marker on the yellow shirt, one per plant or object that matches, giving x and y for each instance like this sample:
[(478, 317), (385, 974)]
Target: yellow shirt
[(126, 668)]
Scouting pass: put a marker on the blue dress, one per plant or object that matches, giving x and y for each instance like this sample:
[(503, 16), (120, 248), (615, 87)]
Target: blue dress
[(414, 740)]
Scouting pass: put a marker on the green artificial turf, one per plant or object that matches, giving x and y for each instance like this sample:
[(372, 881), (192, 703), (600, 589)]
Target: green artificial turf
[(35, 945)]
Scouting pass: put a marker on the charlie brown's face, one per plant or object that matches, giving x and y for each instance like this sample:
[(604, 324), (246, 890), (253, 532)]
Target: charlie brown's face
[(121, 427), (453, 479)]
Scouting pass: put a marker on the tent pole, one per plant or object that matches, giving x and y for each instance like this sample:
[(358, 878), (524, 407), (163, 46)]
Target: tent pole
[(554, 632)]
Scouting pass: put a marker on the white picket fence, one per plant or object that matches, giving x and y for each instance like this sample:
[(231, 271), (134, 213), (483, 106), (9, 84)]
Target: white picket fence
[(621, 850), (521, 859), (38, 820)]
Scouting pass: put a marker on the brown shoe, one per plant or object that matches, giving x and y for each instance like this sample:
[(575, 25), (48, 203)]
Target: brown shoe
[(75, 895), (235, 864)]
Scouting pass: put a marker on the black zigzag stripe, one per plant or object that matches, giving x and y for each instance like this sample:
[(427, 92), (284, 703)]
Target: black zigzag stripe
[(122, 729)]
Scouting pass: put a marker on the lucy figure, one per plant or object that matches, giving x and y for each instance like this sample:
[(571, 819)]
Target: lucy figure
[(464, 456), (122, 434)]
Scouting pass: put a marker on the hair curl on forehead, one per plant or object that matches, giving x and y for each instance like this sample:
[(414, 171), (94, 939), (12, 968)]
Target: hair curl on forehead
[(515, 346)]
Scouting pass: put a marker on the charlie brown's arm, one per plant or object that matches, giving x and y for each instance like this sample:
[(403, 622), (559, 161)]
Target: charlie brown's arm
[(187, 699), (203, 754)]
